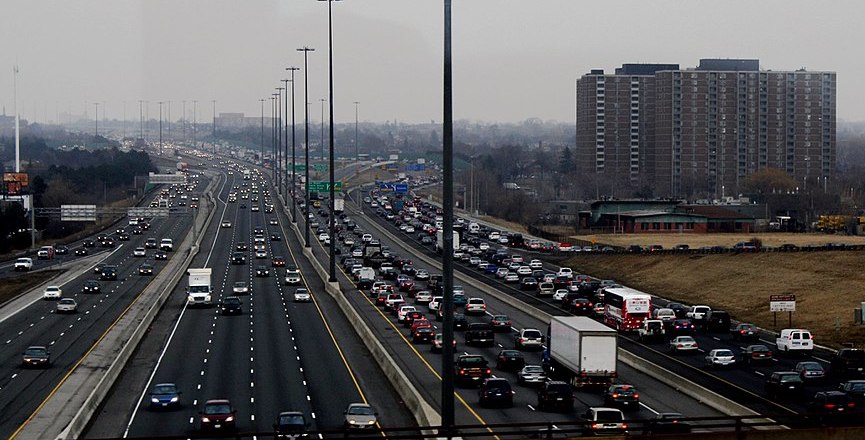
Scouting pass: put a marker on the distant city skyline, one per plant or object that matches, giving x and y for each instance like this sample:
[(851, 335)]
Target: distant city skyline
[(513, 60)]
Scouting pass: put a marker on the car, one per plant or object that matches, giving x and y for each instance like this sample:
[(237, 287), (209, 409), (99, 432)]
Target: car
[(218, 414), (501, 323), (360, 416), (411, 316), (810, 371), (422, 297), (510, 360), (52, 292), (403, 311), (475, 306), (536, 264), (421, 275), (795, 340), (275, 237), (151, 243), (622, 396), (273, 222), (529, 338), (555, 395), (665, 314), (23, 264), (241, 247), (423, 334), (698, 313), (531, 374), (291, 425), (679, 309), (88, 243), (139, 252), (231, 305), (160, 255), (434, 304), (260, 253), (292, 276), (225, 224), (529, 283), (682, 327), (238, 258), (784, 384), (145, 269), (459, 298), (683, 344), (164, 396), (604, 421), (745, 332), (668, 423), (511, 278), (67, 305), (720, 357), (855, 389), (833, 407), (90, 286), (580, 306), (302, 295), (438, 343), (262, 271), (756, 353), (36, 356), (496, 391), (240, 288), (717, 321), (460, 322), (81, 251)]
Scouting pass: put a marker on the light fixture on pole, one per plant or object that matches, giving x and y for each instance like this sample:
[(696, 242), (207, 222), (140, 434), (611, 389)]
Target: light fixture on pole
[(306, 51)]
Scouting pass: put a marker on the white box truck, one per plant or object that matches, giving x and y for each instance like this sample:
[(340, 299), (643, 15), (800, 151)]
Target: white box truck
[(581, 351), (199, 291), (440, 240), (338, 205)]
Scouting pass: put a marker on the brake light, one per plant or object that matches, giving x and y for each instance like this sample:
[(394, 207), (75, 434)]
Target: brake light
[(636, 396), (596, 425), (488, 371), (624, 426), (742, 331), (829, 405), (615, 395), (462, 371)]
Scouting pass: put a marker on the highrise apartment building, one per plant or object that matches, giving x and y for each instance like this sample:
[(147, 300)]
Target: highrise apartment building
[(698, 132)]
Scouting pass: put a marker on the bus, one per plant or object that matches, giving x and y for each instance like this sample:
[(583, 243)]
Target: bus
[(626, 308)]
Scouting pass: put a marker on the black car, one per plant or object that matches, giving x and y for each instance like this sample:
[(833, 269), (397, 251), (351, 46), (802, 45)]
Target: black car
[(832, 406), (756, 353), (275, 237), (682, 327), (81, 251), (291, 425), (262, 271), (123, 237), (679, 309), (784, 383), (496, 392), (88, 243), (528, 283), (109, 273), (423, 334), (671, 423), (718, 321), (241, 247), (581, 306), (36, 356), (238, 258), (745, 332), (855, 389), (622, 396), (90, 286), (145, 269), (61, 249), (510, 360), (555, 395), (460, 322), (231, 305), (160, 255)]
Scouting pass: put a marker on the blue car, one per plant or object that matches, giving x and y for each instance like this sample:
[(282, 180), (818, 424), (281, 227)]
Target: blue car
[(164, 396), (491, 269)]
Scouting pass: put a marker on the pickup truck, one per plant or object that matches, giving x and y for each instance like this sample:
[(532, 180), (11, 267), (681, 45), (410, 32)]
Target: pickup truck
[(471, 369), (23, 264), (480, 333), (848, 363)]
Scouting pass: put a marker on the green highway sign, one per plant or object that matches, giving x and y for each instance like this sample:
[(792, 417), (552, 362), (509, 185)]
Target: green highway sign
[(319, 167), (300, 167), (323, 186)]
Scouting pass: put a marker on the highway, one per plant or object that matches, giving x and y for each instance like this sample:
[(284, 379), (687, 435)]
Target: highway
[(70, 336), (277, 355), (743, 383), (423, 367)]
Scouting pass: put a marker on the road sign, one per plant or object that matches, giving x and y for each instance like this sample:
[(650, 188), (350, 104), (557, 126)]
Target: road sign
[(400, 188), (323, 186), (386, 187), (300, 167), (166, 178), (78, 213), (782, 303), (147, 212), (319, 167)]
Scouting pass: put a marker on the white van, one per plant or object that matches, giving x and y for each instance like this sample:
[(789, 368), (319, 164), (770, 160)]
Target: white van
[(166, 244), (474, 228), (795, 340)]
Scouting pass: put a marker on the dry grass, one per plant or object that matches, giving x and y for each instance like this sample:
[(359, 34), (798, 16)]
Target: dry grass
[(827, 285), (700, 240), (16, 285)]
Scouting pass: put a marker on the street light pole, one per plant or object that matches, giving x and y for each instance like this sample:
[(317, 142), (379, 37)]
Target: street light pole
[(183, 121), (293, 152), (284, 128), (279, 139), (321, 145), (262, 130), (356, 146), (141, 119), (96, 119), (447, 397), (306, 51), (194, 120), (273, 136), (160, 128), (332, 217)]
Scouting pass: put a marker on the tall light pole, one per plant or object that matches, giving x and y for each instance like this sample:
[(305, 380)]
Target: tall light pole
[(168, 121), (160, 128), (194, 120), (183, 120), (17, 130), (356, 146), (213, 134), (141, 119), (262, 129), (321, 146), (332, 217), (124, 119), (447, 397), (293, 152), (279, 139), (96, 119), (284, 128), (306, 51), (273, 107)]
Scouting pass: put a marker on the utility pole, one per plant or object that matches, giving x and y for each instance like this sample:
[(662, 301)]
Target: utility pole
[(356, 146), (447, 397), (306, 51)]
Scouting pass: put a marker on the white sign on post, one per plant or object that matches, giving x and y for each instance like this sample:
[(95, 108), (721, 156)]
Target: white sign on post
[(782, 303)]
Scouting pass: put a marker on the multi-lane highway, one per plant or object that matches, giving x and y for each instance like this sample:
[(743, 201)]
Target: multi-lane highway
[(277, 355)]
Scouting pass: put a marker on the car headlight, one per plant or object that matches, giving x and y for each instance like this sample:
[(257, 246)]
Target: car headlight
[(154, 400), (352, 422), (229, 419), (371, 422), (205, 420), (174, 399)]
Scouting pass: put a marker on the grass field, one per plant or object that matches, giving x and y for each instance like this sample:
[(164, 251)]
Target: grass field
[(827, 285), (16, 285), (700, 240)]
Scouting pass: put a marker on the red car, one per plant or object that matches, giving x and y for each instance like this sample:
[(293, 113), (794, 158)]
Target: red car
[(418, 323), (501, 323), (218, 414), (411, 317)]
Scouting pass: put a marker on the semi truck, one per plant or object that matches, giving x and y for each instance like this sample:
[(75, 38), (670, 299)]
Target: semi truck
[(198, 291), (182, 167), (440, 240), (338, 205), (581, 351)]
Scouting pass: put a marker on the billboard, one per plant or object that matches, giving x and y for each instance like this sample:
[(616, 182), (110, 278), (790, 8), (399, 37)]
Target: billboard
[(15, 183)]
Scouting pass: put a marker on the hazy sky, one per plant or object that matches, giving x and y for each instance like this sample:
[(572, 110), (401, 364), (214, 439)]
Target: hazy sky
[(513, 59)]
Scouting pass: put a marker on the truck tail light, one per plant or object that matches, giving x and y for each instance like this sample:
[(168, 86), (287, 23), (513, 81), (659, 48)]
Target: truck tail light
[(488, 371)]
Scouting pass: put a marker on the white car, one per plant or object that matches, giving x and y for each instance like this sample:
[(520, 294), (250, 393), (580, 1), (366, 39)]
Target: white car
[(512, 277), (302, 295), (139, 252), (476, 305), (240, 287), (494, 236), (559, 294), (483, 246), (292, 276), (23, 264), (720, 357), (698, 313), (683, 343), (260, 253), (665, 314), (502, 272), (423, 297), (529, 338), (226, 224), (474, 261), (503, 240), (366, 238), (524, 271), (409, 230), (52, 292), (566, 272), (536, 264), (434, 304), (67, 305), (403, 311)]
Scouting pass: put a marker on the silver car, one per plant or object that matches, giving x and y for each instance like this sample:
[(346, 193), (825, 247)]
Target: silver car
[(240, 287), (67, 305), (683, 344), (360, 416), (531, 374), (720, 357), (302, 295)]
